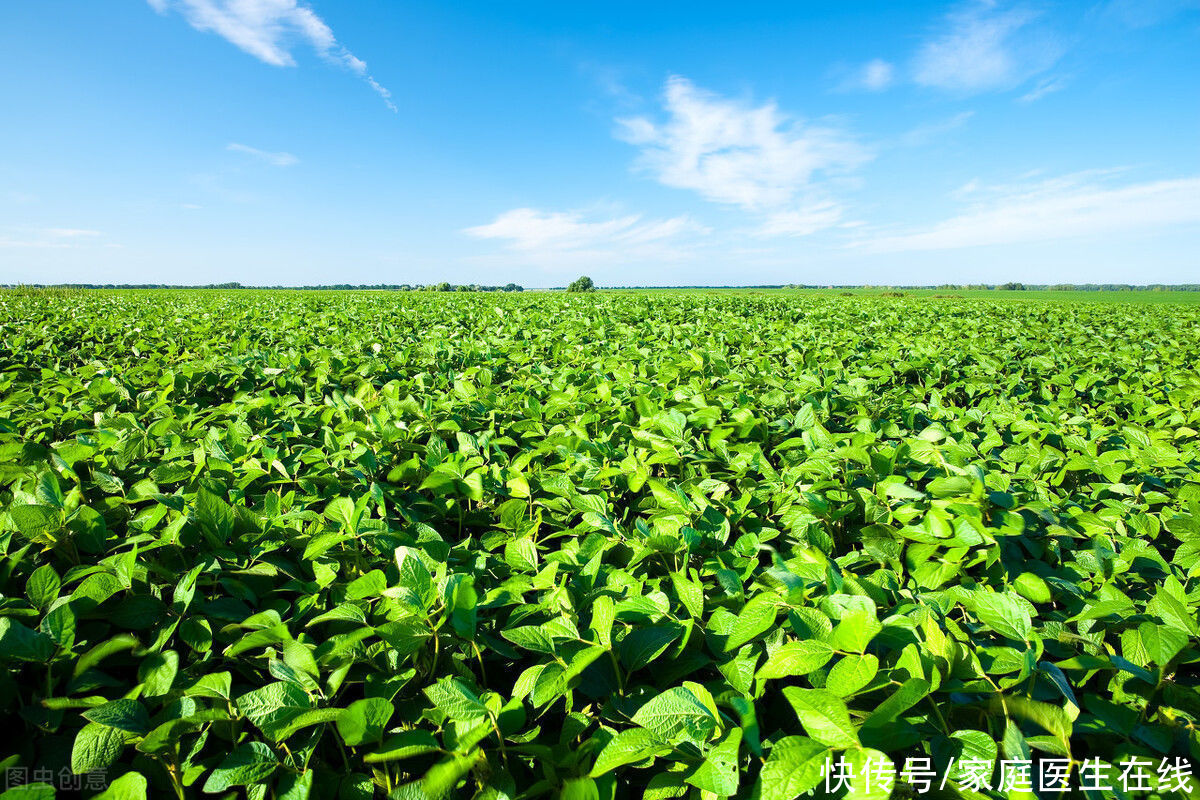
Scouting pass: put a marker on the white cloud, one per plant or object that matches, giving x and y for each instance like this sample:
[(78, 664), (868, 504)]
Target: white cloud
[(877, 75), (806, 220), (985, 47), (873, 76), (550, 238), (1144, 13), (923, 134), (268, 29), (1044, 87), (70, 233), (52, 238), (1078, 205), (753, 157), (275, 159)]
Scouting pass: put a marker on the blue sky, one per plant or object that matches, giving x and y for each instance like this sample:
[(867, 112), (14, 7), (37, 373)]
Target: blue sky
[(280, 141)]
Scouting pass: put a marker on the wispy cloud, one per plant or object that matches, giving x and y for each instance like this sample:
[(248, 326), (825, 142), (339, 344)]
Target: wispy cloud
[(1044, 87), (732, 152), (983, 46), (873, 76), (570, 238), (275, 159), (269, 29), (1077, 205), (923, 134), (808, 219), (52, 238), (1143, 13), (70, 233)]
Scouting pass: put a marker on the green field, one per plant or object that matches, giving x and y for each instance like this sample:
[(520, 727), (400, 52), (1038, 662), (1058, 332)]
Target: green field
[(624, 544)]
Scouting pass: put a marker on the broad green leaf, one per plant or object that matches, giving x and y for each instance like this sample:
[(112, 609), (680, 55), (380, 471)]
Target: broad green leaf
[(793, 767), (854, 631), (874, 775), (22, 644), (130, 786), (273, 707), (676, 713), (406, 744), (718, 773), (1002, 614), (851, 674), (97, 747), (364, 721), (641, 646), (824, 716), (43, 586), (157, 673), (628, 747), (249, 764), (795, 658), (125, 714)]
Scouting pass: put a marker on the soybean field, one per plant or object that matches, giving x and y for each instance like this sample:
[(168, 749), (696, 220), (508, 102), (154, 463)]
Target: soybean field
[(610, 545)]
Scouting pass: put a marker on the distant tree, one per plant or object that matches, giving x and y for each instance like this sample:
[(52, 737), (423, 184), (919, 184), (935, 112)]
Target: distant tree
[(582, 284), (1013, 287), (512, 287), (443, 287)]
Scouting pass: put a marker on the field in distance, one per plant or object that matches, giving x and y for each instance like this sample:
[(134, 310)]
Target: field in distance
[(659, 543)]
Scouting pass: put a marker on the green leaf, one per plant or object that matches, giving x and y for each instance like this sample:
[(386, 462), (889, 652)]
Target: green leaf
[(273, 707), (406, 744), (130, 786), (215, 685), (718, 773), (443, 778), (793, 767), (157, 673), (30, 791), (125, 714), (579, 789), (824, 716), (214, 515), (414, 575), (674, 714), (851, 674), (690, 593), (341, 511), (1032, 588), (1162, 643), (1049, 717), (756, 618), (59, 626), (364, 721), (795, 658), (35, 521), (456, 701), (628, 747), (367, 586), (20, 643), (904, 697), (641, 646), (299, 787), (873, 775), (857, 627), (249, 764), (96, 748), (1003, 614), (43, 586)]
